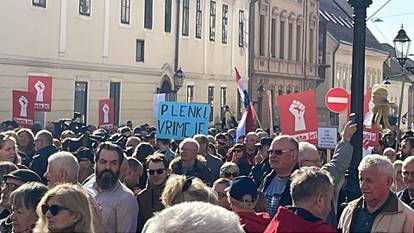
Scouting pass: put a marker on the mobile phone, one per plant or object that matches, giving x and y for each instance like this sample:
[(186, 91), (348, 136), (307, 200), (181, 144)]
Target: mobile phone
[(352, 118)]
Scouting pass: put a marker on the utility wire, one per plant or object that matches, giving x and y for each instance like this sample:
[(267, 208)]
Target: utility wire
[(379, 9)]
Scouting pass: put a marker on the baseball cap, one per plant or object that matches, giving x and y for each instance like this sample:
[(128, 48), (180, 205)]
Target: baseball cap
[(264, 141), (24, 175), (84, 153), (241, 186)]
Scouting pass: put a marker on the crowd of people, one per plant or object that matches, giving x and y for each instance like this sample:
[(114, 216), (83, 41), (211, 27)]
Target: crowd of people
[(128, 180)]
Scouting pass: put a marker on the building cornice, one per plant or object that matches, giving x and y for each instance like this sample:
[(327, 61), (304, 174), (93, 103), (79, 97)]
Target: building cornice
[(6, 59)]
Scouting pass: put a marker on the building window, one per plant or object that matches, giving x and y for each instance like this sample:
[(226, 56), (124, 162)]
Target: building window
[(81, 99), (85, 7), (186, 15), (41, 3), (140, 51), (290, 41), (211, 101), (298, 42), (148, 14), (311, 45), (282, 40), (167, 19), (241, 28), (199, 17), (212, 20), (224, 25), (223, 100), (125, 8), (273, 38), (190, 93), (115, 95), (261, 35)]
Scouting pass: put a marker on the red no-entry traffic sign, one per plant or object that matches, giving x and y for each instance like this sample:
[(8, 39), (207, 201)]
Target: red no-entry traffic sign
[(337, 99)]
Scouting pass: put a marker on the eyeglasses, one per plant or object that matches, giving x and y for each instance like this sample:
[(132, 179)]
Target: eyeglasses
[(9, 186), (238, 151), (158, 171), (407, 173), (230, 174), (278, 152), (54, 209)]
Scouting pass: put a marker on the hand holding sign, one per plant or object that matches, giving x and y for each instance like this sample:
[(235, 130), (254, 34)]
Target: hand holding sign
[(105, 110), (298, 111), (40, 88), (23, 106)]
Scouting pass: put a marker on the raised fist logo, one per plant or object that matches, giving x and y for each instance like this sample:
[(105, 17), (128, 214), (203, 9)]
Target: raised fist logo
[(23, 106), (105, 110), (298, 111), (40, 88)]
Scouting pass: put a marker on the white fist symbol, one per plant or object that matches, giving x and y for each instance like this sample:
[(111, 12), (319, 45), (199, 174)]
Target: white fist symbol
[(23, 106), (298, 111), (105, 109), (40, 88)]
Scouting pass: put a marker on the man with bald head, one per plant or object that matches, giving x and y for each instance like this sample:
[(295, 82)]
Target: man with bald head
[(44, 148), (407, 172)]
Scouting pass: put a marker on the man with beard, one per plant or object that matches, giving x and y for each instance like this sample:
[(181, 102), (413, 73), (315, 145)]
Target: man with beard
[(407, 148), (118, 203)]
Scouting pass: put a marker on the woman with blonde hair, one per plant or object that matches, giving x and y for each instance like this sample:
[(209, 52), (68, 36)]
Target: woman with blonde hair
[(8, 148), (180, 188), (65, 208)]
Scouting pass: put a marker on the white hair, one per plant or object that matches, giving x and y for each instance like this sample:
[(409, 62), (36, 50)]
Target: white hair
[(194, 217), (303, 147), (189, 140), (408, 160), (67, 162), (382, 163)]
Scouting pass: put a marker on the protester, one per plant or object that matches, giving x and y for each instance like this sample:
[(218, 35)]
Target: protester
[(262, 167), (213, 163), (239, 156), (86, 162), (132, 142), (11, 182), (188, 163), (8, 149), (62, 167), (65, 208), (5, 168), (229, 170), (133, 174), (149, 199), (219, 187), (250, 144), (398, 184), (24, 201), (186, 189), (221, 145), (312, 192), (25, 145), (183, 218), (44, 148), (165, 149), (406, 148), (118, 203), (390, 154), (283, 157), (407, 172), (142, 151), (379, 209), (242, 196)]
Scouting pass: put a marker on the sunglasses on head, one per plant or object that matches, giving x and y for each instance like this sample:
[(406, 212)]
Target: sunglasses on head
[(230, 174), (158, 171), (54, 209)]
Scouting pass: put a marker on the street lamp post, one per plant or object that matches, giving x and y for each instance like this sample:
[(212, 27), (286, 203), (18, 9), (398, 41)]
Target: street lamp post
[(178, 81), (402, 45), (260, 92), (351, 189)]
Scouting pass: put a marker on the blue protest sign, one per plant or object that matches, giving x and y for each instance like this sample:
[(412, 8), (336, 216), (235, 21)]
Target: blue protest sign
[(177, 120)]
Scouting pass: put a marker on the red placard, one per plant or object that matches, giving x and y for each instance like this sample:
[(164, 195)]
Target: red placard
[(106, 113), (41, 86), (337, 99), (23, 107), (298, 116)]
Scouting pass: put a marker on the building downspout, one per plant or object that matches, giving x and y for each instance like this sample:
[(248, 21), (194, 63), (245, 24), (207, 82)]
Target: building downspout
[(334, 116), (305, 42), (177, 37), (251, 44)]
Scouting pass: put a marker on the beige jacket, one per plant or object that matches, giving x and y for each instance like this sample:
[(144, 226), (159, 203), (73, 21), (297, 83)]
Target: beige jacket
[(396, 217)]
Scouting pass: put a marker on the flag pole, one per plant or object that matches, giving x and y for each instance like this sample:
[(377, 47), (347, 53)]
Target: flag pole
[(258, 120)]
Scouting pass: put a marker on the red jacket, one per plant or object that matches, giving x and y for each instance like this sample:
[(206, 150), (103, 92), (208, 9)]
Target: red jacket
[(288, 221), (254, 222)]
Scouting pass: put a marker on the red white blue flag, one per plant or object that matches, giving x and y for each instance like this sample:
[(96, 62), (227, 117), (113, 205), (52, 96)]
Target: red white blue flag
[(246, 123)]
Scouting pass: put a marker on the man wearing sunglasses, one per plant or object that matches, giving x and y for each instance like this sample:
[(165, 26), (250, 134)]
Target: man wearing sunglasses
[(242, 196), (149, 199), (283, 158)]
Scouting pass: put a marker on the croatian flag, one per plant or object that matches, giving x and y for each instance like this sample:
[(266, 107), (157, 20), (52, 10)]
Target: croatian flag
[(246, 123)]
